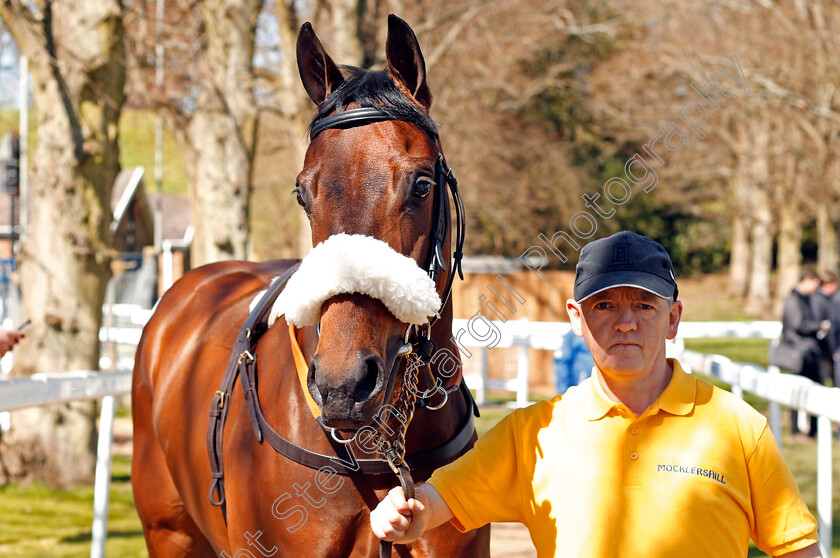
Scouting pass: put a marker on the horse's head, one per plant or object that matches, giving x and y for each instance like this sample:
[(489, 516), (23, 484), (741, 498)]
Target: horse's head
[(370, 175)]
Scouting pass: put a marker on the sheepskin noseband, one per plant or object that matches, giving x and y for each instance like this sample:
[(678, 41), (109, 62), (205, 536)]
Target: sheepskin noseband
[(346, 263)]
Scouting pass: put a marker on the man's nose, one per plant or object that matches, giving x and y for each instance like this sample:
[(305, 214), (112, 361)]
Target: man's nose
[(626, 319)]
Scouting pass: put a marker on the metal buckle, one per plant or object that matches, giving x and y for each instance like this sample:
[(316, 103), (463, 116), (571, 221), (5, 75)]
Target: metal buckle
[(245, 354), (443, 390), (221, 395), (341, 440), (391, 456)]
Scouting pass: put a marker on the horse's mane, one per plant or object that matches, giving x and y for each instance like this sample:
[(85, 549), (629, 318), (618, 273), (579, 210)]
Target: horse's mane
[(374, 88)]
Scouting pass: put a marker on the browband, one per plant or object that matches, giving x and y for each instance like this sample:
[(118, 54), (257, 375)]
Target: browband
[(351, 119)]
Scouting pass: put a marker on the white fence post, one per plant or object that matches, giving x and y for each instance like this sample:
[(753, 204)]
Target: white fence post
[(481, 391), (102, 480), (522, 377), (824, 482), (775, 410)]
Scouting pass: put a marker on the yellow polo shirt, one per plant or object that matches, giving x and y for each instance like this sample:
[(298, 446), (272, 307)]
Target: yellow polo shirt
[(696, 475)]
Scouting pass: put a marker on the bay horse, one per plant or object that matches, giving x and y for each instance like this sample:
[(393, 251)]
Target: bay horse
[(334, 355)]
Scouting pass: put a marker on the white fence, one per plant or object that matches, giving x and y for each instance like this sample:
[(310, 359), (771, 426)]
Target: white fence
[(46, 389), (122, 332), (476, 341)]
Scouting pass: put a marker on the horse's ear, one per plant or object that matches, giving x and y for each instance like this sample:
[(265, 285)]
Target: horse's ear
[(319, 74), (405, 61)]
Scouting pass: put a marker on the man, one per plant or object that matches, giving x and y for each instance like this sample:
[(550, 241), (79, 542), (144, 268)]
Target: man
[(823, 309), (826, 306), (572, 362), (8, 339), (803, 331), (640, 459)]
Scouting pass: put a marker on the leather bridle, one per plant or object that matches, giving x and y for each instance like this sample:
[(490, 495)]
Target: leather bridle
[(444, 177), (418, 343), (418, 347)]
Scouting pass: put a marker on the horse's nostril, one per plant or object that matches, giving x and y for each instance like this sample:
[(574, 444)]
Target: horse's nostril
[(316, 389), (369, 380)]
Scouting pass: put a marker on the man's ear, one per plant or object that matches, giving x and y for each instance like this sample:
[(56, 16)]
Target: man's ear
[(674, 319), (575, 317)]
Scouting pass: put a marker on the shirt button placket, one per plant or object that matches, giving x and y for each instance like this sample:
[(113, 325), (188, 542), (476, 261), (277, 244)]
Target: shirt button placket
[(632, 471)]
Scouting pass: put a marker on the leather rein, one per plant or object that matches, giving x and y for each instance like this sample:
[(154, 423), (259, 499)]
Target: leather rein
[(417, 351)]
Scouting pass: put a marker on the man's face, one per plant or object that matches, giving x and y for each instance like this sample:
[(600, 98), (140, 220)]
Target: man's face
[(625, 328), (809, 286)]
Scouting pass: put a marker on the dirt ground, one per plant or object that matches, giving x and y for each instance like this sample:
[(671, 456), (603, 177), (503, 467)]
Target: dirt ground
[(510, 540), (507, 540)]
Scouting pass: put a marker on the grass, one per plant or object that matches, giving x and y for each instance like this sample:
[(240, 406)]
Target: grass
[(39, 522), (704, 299)]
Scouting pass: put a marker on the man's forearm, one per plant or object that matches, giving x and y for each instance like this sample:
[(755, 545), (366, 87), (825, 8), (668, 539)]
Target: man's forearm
[(812, 551), (436, 508)]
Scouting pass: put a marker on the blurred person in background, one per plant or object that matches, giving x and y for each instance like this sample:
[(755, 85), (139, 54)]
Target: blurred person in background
[(802, 331), (572, 362), (824, 306)]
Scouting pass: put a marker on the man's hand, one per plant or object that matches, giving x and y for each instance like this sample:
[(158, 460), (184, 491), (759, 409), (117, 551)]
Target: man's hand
[(397, 519), (8, 339), (401, 521)]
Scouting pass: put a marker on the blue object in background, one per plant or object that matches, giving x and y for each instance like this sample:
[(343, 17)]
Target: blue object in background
[(572, 362)]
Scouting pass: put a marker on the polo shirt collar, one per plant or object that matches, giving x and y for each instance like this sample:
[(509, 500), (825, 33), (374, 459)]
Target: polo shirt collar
[(677, 399)]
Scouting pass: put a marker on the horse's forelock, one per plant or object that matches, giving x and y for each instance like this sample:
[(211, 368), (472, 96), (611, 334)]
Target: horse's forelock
[(375, 88)]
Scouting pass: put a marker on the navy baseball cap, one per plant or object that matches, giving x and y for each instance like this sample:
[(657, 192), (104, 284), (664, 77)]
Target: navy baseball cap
[(624, 259)]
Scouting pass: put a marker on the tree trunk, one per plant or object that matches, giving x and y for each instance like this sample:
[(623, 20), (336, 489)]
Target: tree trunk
[(761, 236), (789, 259), (222, 132), (826, 236), (346, 47), (219, 188), (739, 260), (753, 165), (77, 59), (294, 104)]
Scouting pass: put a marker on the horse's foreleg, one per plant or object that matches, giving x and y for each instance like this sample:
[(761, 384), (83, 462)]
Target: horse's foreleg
[(169, 531)]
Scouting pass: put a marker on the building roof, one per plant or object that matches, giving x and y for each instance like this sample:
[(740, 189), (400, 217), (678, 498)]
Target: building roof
[(177, 217)]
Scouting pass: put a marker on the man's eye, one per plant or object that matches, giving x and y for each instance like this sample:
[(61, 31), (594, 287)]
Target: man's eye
[(602, 305)]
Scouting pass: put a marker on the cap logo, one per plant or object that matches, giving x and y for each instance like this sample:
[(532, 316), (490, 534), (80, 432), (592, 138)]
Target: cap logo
[(621, 254)]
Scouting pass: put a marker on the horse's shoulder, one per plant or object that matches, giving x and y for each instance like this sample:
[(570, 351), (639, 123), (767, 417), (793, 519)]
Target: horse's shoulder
[(208, 304)]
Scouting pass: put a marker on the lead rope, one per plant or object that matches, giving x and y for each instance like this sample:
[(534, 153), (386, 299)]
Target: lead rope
[(444, 177), (395, 453)]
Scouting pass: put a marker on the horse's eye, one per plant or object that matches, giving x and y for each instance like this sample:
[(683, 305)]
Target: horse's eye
[(300, 200), (422, 188)]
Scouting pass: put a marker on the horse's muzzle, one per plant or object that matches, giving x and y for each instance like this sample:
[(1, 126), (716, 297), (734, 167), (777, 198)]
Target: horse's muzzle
[(349, 396)]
